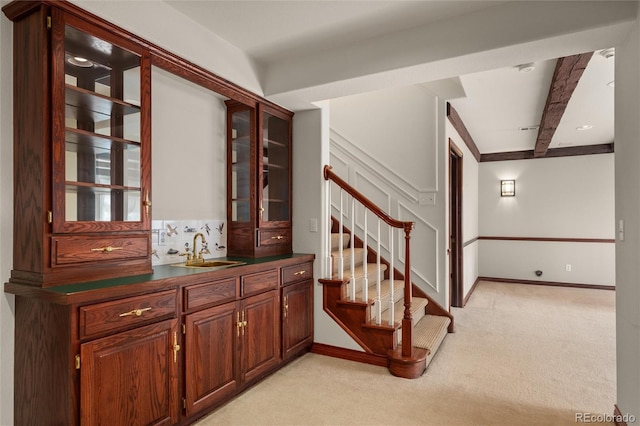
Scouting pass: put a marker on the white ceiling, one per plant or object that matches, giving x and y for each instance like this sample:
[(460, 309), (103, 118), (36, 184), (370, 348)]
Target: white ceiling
[(497, 102)]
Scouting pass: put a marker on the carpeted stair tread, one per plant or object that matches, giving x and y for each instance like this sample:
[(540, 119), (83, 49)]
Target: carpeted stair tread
[(418, 306), (346, 258), (359, 272), (429, 333), (398, 292), (335, 241)]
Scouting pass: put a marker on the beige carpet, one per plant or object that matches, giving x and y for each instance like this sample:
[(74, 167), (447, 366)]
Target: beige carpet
[(522, 355)]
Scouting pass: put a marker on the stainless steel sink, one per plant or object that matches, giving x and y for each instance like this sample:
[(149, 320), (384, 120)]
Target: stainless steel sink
[(211, 264)]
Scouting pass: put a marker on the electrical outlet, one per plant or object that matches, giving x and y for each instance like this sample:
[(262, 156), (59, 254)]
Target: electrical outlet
[(567, 267)]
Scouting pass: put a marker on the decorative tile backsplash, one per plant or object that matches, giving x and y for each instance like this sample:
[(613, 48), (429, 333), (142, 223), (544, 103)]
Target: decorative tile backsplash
[(171, 238)]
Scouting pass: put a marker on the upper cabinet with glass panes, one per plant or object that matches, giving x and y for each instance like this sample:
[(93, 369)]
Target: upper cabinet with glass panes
[(100, 136)]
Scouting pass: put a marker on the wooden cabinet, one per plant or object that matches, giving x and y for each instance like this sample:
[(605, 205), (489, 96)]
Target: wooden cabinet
[(259, 335), (82, 149), (258, 179), (211, 357), (297, 309), (159, 349), (233, 344), (131, 378)]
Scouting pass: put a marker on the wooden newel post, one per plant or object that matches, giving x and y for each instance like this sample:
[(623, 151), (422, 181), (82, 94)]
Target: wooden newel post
[(407, 320)]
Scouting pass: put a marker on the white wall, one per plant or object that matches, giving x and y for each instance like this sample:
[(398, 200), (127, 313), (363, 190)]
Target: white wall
[(566, 197), (6, 219), (627, 159), (389, 145), (471, 244), (161, 24), (189, 172), (310, 154)]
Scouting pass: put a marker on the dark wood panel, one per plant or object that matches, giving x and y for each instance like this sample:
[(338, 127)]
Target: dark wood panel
[(71, 250), (210, 294), (131, 378), (44, 382), (550, 239), (350, 354), (458, 124), (549, 283), (31, 192), (566, 76), (258, 283), (211, 357), (260, 335), (297, 318), (112, 316), (551, 153), (297, 273)]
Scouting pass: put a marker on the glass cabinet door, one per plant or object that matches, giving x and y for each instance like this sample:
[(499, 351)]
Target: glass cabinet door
[(274, 173), (241, 161), (98, 145)]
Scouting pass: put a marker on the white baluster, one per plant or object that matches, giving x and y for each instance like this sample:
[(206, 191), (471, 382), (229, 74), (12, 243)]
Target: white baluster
[(378, 283), (340, 257), (392, 312), (353, 250), (365, 276), (328, 265)]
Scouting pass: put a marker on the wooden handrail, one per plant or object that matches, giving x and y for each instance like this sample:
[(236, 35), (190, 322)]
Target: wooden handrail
[(330, 175), (407, 320)]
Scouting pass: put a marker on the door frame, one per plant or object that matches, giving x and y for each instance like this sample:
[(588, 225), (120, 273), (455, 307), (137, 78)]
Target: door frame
[(456, 265)]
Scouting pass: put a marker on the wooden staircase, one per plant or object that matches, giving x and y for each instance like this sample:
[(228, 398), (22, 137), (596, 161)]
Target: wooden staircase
[(378, 306), (430, 322)]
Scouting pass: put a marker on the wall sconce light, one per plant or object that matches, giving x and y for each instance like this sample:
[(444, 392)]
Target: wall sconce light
[(508, 188)]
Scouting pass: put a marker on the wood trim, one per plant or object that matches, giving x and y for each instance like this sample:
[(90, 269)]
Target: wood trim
[(350, 354), (458, 124), (548, 283), (571, 151), (468, 296), (620, 419), (159, 56), (456, 249), (565, 79), (471, 241), (550, 239)]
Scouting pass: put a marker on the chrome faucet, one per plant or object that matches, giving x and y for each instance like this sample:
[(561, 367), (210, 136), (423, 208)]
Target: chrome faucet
[(196, 256)]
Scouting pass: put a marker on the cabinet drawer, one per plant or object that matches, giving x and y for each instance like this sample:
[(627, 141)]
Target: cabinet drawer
[(295, 273), (209, 294), (73, 250), (274, 237), (257, 283), (121, 314)]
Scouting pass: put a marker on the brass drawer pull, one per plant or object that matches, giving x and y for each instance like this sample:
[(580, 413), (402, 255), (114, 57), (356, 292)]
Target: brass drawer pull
[(107, 249), (300, 272), (279, 237), (136, 312), (175, 347)]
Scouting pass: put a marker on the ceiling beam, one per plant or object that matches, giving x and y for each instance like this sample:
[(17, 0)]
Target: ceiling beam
[(458, 124), (565, 79), (552, 153)]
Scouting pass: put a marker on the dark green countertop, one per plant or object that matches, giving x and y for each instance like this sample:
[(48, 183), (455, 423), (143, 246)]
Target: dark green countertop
[(162, 276)]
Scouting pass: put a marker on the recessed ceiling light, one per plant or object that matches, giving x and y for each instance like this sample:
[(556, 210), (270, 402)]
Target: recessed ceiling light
[(611, 83), (79, 61), (527, 67), (608, 53), (585, 127)]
